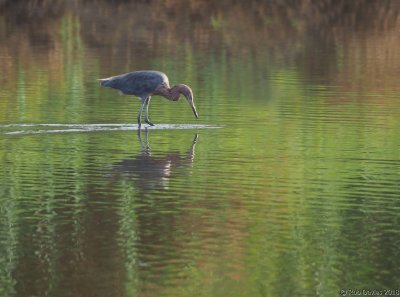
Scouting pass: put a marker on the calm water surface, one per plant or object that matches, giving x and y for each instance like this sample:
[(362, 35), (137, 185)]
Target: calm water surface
[(287, 184)]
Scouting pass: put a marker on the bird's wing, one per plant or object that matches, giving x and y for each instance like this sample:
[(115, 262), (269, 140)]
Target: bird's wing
[(140, 83)]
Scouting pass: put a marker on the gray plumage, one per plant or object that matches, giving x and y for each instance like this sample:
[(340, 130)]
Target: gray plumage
[(138, 83), (145, 84)]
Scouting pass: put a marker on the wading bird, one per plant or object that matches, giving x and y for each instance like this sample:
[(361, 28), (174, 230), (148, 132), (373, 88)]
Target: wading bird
[(145, 84)]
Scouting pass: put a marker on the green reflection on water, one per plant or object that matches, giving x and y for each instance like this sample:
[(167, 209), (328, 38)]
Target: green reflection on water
[(296, 194)]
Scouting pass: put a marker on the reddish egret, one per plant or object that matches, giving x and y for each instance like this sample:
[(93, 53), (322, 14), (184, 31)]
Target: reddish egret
[(144, 84)]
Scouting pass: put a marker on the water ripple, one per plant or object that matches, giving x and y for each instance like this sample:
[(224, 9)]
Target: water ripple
[(71, 128)]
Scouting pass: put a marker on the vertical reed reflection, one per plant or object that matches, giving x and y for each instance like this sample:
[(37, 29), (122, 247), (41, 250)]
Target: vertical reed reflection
[(150, 208), (306, 198)]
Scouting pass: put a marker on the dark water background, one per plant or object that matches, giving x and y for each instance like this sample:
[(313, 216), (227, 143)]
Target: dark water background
[(287, 185)]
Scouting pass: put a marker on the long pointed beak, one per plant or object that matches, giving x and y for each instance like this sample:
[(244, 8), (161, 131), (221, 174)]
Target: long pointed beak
[(191, 103), (195, 112)]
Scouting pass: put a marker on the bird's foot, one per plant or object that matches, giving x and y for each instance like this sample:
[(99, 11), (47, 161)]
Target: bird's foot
[(148, 122)]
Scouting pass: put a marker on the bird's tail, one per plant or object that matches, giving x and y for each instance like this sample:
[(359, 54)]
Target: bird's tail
[(103, 81)]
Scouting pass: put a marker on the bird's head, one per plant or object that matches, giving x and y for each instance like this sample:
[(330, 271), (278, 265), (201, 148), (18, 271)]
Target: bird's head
[(188, 93)]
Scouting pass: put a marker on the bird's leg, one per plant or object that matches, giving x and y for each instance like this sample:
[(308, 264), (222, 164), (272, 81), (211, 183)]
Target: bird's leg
[(139, 116), (146, 115)]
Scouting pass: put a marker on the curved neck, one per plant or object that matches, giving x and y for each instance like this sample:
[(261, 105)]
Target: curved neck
[(175, 92), (168, 93)]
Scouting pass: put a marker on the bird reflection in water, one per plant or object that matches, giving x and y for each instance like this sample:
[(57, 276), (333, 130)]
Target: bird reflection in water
[(151, 172)]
